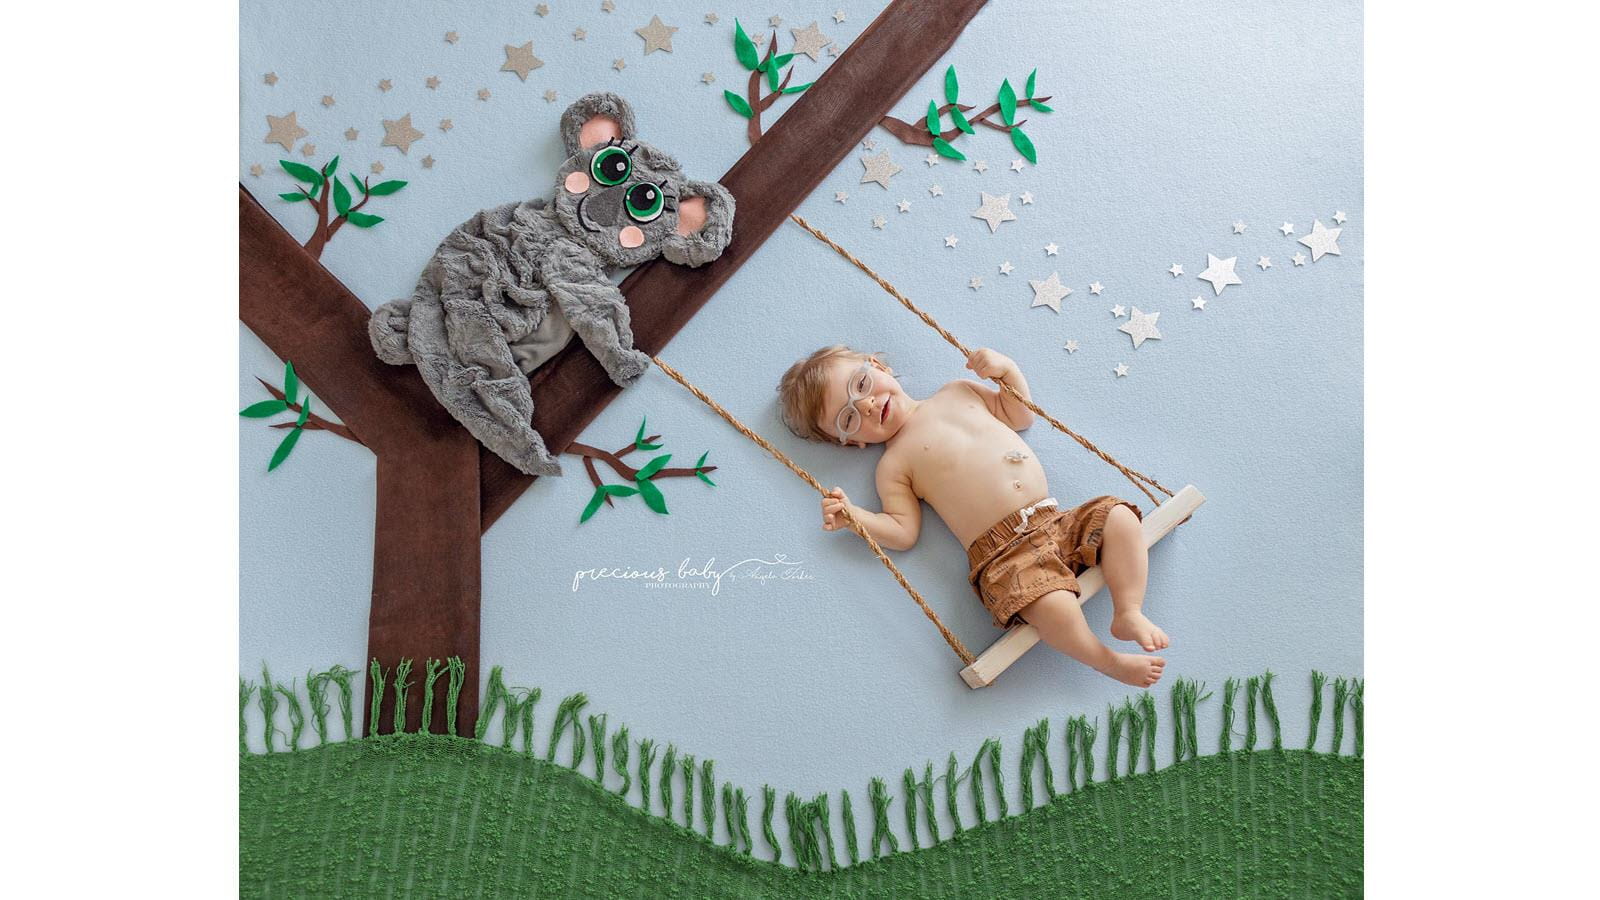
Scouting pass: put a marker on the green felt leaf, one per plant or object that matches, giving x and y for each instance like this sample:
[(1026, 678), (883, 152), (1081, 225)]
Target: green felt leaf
[(594, 505), (385, 188), (291, 383), (702, 460), (304, 173), (703, 477), (330, 168), (305, 413), (1029, 89), (798, 88), (1024, 145), (1041, 107), (781, 60), (619, 490), (772, 77), (960, 119), (357, 182), (638, 439), (951, 87), (362, 220), (738, 103), (341, 198), (284, 449), (263, 409), (652, 467), (1008, 102), (652, 497), (744, 49), (293, 198), (943, 148), (933, 118)]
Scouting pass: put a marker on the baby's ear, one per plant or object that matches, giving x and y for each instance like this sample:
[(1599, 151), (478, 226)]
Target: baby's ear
[(594, 119), (705, 224)]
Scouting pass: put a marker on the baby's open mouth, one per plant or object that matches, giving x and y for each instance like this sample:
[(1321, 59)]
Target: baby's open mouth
[(884, 415)]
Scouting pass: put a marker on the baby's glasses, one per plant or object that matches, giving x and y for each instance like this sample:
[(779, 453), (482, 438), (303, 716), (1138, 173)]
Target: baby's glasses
[(848, 421)]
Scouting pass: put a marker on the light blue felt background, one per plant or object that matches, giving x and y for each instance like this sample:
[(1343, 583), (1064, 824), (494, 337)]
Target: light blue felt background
[(1172, 121)]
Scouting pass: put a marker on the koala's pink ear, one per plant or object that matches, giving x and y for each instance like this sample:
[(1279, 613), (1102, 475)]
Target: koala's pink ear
[(594, 119), (598, 130), (691, 215)]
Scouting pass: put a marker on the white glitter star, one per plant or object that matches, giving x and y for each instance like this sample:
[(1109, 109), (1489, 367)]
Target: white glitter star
[(1049, 292), (1118, 311), (1199, 302), (1006, 267), (838, 16), (974, 283), (1176, 270), (951, 240), (878, 168), (1141, 326), (1027, 198), (1096, 287), (980, 166), (1339, 217), (1322, 240), (1220, 272), (1299, 259), (878, 222), (1286, 228), (904, 206), (1238, 228), (935, 191), (932, 159), (1070, 346), (1050, 249), (1016, 165), (1121, 370), (840, 196), (1264, 263), (994, 210)]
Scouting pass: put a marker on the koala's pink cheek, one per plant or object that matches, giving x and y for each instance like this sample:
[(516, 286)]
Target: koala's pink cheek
[(630, 237), (577, 183)]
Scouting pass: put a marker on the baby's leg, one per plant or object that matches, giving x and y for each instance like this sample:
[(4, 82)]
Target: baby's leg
[(1061, 624), (1125, 562)]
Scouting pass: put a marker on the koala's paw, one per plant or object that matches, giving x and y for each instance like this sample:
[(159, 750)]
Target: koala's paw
[(627, 366)]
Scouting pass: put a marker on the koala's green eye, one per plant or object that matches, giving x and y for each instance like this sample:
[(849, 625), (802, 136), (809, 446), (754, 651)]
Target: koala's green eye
[(611, 165), (644, 202)]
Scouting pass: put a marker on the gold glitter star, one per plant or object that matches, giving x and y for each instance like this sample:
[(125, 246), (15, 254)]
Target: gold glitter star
[(351, 133), (385, 84), (542, 9), (400, 133), (327, 99), (708, 77), (549, 96), (256, 170), (809, 40), (711, 18), (377, 168), (657, 35), (521, 60), (579, 34), (427, 162), (309, 150), (619, 64), (270, 78), (432, 82), (607, 6), (446, 124), (284, 130), (483, 93), (450, 37)]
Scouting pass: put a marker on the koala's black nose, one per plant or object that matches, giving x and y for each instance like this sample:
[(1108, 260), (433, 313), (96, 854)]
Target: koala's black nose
[(604, 206)]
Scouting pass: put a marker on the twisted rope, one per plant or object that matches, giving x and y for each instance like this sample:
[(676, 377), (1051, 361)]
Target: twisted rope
[(949, 637), (1139, 479)]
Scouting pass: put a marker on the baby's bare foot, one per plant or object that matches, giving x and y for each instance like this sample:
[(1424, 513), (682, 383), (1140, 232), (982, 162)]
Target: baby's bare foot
[(1131, 668), (1135, 627)]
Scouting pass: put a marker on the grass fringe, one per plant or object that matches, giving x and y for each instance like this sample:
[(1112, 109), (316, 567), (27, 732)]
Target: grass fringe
[(378, 676), (878, 794), (1318, 680), (597, 740), (1341, 693), (768, 799), (848, 819), (269, 707), (296, 714), (647, 758), (708, 797), (432, 670), (1130, 714), (1225, 741), (1252, 688), (1271, 709), (686, 764), (619, 759), (1356, 712), (669, 764), (401, 688)]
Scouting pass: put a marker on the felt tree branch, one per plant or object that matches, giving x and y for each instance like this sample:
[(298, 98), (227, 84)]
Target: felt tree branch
[(314, 422), (930, 134), (286, 400), (765, 70), (642, 479), (322, 185)]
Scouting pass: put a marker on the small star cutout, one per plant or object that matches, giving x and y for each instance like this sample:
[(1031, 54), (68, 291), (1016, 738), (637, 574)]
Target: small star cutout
[(521, 60), (1286, 228), (840, 196), (1118, 311), (619, 64), (1096, 288), (1264, 263), (400, 133), (256, 170), (1322, 240), (869, 144), (1006, 267), (935, 191), (377, 168), (427, 162), (351, 133), (808, 40), (1027, 198), (657, 35), (1049, 292), (1199, 302), (1051, 249), (385, 84), (270, 78), (579, 34), (904, 206), (542, 9), (607, 6), (450, 37), (1220, 272), (775, 21), (327, 99), (1239, 227), (432, 82), (483, 93), (284, 131), (878, 222), (1176, 270), (309, 150), (1299, 259), (1141, 326), (951, 240), (446, 124), (879, 168), (708, 77), (759, 38), (1339, 217), (994, 210), (932, 159), (980, 166), (711, 18), (833, 49), (1121, 370), (1016, 165), (974, 282), (838, 17), (1070, 346)]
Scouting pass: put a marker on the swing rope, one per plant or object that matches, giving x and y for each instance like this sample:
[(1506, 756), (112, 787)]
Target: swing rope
[(1139, 479), (949, 637)]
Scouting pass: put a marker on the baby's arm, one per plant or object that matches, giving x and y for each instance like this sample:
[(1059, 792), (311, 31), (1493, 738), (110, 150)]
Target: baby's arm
[(988, 363), (900, 523)]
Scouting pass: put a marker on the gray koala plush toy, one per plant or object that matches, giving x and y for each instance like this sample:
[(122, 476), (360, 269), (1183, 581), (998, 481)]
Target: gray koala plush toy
[(508, 288)]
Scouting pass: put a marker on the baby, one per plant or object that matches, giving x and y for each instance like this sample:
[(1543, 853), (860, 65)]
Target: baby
[(959, 450)]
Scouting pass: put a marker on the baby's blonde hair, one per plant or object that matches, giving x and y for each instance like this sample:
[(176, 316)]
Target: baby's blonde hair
[(801, 390)]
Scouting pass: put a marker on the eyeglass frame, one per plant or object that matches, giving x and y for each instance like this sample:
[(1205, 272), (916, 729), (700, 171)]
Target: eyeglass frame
[(852, 397)]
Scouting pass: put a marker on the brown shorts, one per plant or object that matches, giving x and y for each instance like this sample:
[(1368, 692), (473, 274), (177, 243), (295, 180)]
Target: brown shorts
[(1010, 568)]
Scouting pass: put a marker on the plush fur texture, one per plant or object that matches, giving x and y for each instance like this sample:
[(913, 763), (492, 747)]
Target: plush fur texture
[(482, 318)]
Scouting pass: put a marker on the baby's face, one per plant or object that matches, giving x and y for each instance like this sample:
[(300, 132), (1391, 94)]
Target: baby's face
[(870, 401)]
